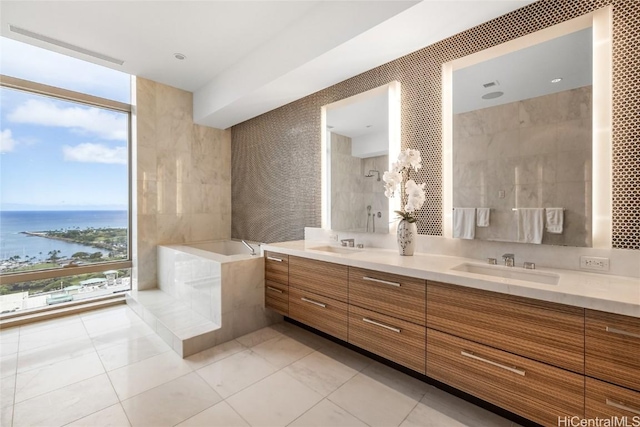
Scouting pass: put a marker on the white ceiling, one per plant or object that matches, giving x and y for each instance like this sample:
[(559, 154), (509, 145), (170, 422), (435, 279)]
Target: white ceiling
[(526, 73), (245, 58)]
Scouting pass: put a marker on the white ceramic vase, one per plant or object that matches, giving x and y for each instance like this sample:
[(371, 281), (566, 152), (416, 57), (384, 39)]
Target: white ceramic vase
[(407, 233)]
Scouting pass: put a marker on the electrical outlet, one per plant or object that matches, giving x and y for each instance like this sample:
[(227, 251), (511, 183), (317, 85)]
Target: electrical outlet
[(594, 263), (333, 237)]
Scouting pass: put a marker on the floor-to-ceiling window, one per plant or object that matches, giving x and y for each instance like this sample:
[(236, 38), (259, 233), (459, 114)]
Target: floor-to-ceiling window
[(64, 178)]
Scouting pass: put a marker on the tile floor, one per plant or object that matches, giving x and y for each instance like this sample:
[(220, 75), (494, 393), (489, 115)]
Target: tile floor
[(107, 367)]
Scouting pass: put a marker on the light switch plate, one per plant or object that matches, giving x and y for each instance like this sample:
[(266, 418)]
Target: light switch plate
[(594, 263)]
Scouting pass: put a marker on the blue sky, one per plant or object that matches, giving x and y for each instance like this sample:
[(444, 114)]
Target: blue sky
[(58, 155)]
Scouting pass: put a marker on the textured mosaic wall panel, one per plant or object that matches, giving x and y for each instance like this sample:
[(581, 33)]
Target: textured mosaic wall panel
[(276, 156)]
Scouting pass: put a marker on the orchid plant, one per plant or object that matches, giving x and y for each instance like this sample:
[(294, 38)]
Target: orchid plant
[(412, 195)]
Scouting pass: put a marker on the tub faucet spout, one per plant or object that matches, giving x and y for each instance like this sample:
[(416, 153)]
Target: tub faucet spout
[(253, 251)]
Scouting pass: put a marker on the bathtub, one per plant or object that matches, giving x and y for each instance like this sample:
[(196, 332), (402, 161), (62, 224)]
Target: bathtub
[(219, 280)]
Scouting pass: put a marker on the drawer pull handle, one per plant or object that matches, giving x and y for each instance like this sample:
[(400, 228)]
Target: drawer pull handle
[(622, 406), (384, 282), (621, 332), (310, 301), (274, 289), (271, 258), (382, 325), (491, 362)]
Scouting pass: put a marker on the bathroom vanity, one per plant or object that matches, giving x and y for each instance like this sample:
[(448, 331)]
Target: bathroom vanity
[(540, 349)]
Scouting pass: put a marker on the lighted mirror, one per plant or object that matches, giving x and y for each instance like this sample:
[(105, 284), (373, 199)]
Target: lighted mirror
[(527, 138), (360, 134)]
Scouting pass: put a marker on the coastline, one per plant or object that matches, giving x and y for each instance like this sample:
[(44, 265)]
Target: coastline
[(44, 234)]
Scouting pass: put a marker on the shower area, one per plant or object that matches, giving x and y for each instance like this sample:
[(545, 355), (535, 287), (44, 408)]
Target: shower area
[(357, 191)]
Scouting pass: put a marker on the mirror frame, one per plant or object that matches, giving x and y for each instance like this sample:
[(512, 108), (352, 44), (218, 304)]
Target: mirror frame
[(602, 22), (394, 95)]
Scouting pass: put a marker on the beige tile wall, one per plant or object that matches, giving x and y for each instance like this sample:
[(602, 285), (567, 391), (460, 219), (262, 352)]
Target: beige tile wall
[(537, 152), (182, 177)]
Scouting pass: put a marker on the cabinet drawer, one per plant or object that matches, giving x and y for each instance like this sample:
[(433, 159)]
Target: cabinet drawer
[(534, 390), (276, 267), (322, 278), (604, 400), (276, 296), (548, 332), (397, 296), (325, 314), (399, 341), (612, 344)]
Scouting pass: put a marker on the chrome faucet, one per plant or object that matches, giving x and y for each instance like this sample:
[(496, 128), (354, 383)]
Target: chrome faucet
[(509, 260), (348, 242), (253, 251)]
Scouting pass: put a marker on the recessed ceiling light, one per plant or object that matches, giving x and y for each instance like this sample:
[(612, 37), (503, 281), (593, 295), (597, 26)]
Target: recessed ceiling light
[(492, 95), (558, 80), (329, 127), (368, 126), (180, 56)]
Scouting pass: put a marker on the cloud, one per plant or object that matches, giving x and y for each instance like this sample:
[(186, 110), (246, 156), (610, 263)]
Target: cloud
[(95, 153), (7, 143), (84, 120)]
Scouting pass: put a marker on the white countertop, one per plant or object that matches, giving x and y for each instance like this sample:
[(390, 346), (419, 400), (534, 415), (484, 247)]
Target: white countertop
[(613, 294)]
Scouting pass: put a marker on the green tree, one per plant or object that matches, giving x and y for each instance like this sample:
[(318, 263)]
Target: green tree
[(80, 255), (95, 255), (53, 256)]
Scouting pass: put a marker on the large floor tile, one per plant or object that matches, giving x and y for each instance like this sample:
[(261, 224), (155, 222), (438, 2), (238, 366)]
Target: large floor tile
[(9, 341), (113, 416), (301, 335), (8, 365), (219, 415), (119, 355), (122, 335), (7, 391), (43, 325), (6, 416), (282, 351), (214, 354), (320, 372), (274, 401), (108, 322), (327, 413), (258, 337), (49, 336), (377, 398), (230, 375), (171, 403), (147, 374), (67, 404), (52, 377), (57, 352), (439, 408)]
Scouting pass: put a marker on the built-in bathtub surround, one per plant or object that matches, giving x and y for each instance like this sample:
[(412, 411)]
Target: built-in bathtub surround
[(211, 293), (182, 177), (294, 130), (352, 191), (534, 153)]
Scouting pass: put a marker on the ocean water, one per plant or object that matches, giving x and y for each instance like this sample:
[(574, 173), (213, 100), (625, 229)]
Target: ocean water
[(12, 223)]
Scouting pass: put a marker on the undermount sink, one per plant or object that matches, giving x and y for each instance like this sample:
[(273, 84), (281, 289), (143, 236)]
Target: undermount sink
[(510, 273), (336, 250)]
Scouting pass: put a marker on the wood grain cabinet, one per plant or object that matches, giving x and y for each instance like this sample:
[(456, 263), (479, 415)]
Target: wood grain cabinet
[(321, 278), (612, 348), (535, 390), (394, 339), (547, 332), (276, 288), (397, 296), (604, 400), (320, 312)]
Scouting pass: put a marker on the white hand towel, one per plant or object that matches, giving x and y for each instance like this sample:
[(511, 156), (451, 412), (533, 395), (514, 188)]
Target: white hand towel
[(483, 215), (555, 220), (464, 223), (530, 225)]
